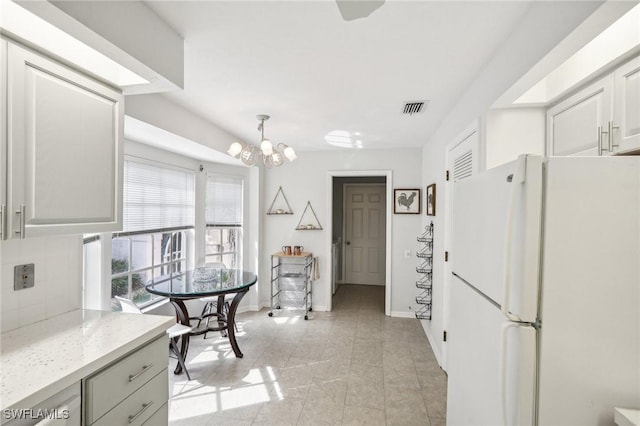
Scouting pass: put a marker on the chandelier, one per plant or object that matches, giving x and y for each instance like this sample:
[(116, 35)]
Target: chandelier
[(271, 156)]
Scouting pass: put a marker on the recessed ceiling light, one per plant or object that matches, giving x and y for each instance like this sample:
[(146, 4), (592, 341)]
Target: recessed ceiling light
[(343, 139)]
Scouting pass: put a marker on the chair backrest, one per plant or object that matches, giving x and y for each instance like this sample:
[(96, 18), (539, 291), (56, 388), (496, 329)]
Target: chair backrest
[(217, 265), (128, 306)]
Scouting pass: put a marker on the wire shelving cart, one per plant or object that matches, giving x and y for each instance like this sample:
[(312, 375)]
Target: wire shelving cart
[(291, 282)]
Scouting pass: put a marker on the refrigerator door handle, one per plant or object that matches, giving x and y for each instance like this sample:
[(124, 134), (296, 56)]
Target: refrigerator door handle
[(517, 179)]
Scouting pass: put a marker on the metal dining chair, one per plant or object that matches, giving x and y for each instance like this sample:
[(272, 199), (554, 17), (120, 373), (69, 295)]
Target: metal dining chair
[(175, 331)]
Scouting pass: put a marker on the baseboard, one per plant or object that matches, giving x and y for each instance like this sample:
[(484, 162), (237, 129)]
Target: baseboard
[(248, 308), (432, 341), (403, 314)]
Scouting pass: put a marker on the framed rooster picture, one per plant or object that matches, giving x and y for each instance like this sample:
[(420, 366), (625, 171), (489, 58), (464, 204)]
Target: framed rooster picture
[(406, 201)]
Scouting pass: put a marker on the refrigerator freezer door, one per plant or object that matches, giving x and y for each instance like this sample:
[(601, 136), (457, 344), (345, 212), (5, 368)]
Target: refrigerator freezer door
[(491, 363), (496, 224), (590, 308)]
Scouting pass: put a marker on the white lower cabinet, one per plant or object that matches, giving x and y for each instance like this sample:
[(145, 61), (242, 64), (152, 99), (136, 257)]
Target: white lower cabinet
[(131, 391), (160, 417), (62, 409)]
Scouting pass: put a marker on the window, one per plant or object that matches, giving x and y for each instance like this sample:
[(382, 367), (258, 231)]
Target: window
[(158, 216), (224, 220)]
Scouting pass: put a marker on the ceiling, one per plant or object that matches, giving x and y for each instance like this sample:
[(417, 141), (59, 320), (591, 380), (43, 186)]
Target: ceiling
[(322, 78)]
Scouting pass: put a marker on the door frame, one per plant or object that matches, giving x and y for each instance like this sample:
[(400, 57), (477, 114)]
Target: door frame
[(388, 174)]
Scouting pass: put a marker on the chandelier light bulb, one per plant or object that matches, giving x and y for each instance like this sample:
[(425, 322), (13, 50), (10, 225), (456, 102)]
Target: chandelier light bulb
[(235, 149), (277, 158), (267, 147), (290, 153), (249, 155)]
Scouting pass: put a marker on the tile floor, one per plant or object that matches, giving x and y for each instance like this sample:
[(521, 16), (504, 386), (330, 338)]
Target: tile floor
[(351, 366)]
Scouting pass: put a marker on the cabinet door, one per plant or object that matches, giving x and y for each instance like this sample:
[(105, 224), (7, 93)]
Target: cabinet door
[(3, 139), (573, 124), (64, 144), (626, 106)]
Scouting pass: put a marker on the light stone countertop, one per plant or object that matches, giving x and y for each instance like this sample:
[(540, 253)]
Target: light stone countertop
[(41, 359), (627, 417)]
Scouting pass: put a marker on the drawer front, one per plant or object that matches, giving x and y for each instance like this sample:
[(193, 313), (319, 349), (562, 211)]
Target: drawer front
[(63, 406), (160, 417), (113, 384), (141, 405)]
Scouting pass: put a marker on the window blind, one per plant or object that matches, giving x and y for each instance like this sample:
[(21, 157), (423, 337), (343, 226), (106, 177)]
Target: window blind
[(157, 197), (224, 200)]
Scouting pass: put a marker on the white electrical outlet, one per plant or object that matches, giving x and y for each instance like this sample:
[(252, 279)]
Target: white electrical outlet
[(407, 254)]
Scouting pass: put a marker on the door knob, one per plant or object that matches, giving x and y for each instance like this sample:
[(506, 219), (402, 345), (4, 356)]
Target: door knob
[(348, 243)]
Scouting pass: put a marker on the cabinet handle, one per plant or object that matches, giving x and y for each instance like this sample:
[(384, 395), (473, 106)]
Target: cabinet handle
[(600, 148), (144, 368), (3, 222), (133, 417), (611, 144), (21, 212)]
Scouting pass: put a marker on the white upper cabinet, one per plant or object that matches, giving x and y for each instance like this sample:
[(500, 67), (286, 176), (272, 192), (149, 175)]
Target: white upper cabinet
[(3, 140), (64, 145), (576, 125), (626, 120), (601, 119)]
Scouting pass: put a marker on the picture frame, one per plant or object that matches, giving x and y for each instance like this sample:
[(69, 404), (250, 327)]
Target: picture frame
[(431, 200), (406, 201)]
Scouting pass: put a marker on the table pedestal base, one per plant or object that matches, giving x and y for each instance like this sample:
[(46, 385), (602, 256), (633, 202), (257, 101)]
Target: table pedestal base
[(226, 324)]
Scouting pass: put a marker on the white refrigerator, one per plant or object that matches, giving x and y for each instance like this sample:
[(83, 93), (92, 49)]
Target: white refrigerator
[(544, 324)]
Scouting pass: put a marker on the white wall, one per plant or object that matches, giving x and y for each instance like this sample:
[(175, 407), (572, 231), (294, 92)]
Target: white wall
[(512, 60), (306, 180), (58, 279), (511, 132)]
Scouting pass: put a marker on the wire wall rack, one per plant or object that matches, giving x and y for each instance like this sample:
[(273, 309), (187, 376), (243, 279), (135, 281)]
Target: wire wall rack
[(425, 268)]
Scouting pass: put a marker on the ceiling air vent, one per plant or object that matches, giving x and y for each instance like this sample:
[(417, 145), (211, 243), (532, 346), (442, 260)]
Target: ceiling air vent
[(413, 107)]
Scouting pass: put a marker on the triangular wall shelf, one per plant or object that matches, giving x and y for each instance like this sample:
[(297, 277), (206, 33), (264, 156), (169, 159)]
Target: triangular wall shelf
[(279, 207), (308, 225)]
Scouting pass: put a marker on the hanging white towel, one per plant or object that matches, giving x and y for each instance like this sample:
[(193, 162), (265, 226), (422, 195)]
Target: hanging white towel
[(315, 269)]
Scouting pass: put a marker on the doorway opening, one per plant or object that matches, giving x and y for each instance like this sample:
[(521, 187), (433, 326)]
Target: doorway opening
[(360, 232)]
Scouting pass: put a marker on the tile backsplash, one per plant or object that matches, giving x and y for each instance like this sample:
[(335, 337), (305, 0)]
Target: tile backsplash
[(58, 279)]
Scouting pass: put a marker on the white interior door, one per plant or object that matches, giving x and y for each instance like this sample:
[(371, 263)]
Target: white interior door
[(365, 234), (462, 162)]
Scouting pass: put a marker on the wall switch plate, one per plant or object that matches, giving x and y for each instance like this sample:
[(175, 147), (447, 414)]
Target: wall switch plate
[(24, 276), (407, 254)]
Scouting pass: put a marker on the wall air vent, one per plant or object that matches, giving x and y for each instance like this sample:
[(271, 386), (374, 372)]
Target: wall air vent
[(414, 107)]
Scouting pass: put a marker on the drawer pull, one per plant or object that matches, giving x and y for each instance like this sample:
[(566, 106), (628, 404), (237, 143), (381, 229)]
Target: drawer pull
[(133, 417), (132, 377)]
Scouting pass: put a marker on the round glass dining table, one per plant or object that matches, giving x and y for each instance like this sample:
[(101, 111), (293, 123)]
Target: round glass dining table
[(205, 282)]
